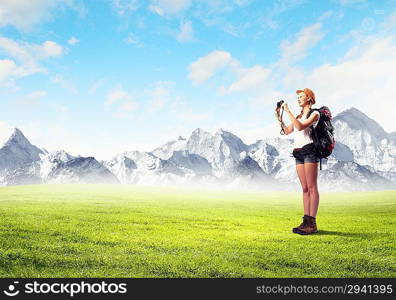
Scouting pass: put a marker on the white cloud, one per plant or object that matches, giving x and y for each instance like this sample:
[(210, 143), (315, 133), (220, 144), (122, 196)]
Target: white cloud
[(389, 24), (24, 14), (242, 2), (124, 7), (27, 55), (128, 106), (73, 41), (159, 96), (248, 78), (8, 68), (122, 102), (250, 135), (232, 29), (189, 115), (205, 67), (292, 77), (63, 108), (51, 48), (268, 20), (156, 104), (132, 39), (348, 2), (186, 33), (36, 95), (125, 109), (115, 96), (169, 7), (66, 84), (5, 131), (364, 79), (96, 84), (306, 39)]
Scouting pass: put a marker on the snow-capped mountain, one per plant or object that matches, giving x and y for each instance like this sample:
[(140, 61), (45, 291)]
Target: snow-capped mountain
[(221, 149), (80, 170), (274, 157), (58, 167), (29, 173), (363, 159), (50, 161), (191, 163), (136, 167), (353, 177), (17, 151), (165, 151), (123, 168), (370, 145)]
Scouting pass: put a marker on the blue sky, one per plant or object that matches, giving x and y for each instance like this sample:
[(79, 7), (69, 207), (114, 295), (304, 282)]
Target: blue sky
[(101, 77)]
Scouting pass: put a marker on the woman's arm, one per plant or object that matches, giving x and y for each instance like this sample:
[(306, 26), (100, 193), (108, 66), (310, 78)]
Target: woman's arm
[(289, 129), (301, 125)]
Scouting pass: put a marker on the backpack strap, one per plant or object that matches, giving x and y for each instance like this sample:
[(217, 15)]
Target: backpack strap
[(311, 111)]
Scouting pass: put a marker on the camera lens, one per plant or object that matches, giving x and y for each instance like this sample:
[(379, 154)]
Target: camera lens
[(278, 104)]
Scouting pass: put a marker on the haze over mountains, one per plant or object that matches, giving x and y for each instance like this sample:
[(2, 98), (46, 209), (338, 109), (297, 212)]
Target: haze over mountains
[(364, 158)]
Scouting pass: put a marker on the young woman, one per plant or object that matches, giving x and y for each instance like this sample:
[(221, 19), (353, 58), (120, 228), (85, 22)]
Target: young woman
[(306, 159)]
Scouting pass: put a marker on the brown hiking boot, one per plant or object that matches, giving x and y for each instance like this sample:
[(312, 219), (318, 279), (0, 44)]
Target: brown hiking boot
[(302, 225), (309, 228)]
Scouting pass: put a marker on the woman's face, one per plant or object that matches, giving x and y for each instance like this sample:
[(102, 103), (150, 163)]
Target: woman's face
[(302, 99)]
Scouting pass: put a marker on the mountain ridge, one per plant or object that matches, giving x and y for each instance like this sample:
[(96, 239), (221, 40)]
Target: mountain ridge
[(217, 158)]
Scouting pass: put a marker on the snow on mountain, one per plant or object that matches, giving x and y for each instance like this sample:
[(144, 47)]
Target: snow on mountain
[(364, 158), (350, 176), (144, 168), (165, 151), (16, 151), (50, 161), (251, 175), (274, 157), (369, 143), (221, 149), (29, 173), (204, 158), (265, 155), (341, 152), (123, 168), (392, 136), (148, 162), (192, 163), (80, 170)]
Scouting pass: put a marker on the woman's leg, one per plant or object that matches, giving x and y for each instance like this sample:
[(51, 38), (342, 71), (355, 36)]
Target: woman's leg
[(301, 175), (311, 175)]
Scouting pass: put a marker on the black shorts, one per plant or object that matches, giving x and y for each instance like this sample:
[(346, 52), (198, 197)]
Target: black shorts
[(306, 154)]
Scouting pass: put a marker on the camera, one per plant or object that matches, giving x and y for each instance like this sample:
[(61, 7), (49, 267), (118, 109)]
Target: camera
[(279, 104)]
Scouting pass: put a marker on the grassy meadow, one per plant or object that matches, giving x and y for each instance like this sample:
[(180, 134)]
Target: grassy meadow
[(126, 231)]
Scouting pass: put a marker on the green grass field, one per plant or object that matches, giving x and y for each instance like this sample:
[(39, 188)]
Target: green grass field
[(126, 231)]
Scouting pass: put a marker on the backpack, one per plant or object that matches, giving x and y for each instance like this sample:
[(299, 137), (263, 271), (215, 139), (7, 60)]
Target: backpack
[(323, 134)]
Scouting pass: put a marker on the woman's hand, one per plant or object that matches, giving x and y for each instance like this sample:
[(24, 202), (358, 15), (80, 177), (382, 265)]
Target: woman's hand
[(285, 107)]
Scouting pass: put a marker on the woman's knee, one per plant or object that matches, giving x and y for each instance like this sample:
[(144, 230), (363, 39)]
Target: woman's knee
[(305, 189), (312, 188)]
